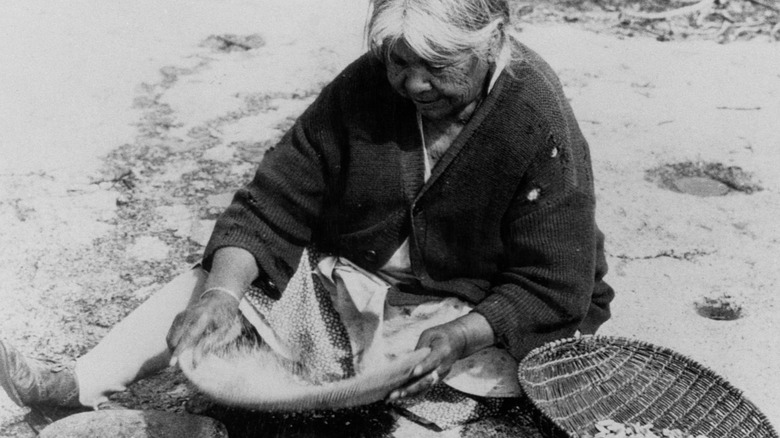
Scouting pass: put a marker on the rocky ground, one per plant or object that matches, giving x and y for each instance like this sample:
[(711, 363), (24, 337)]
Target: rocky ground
[(115, 168)]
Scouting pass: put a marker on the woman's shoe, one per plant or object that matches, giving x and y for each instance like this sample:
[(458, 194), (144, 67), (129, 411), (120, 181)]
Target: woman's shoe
[(31, 382)]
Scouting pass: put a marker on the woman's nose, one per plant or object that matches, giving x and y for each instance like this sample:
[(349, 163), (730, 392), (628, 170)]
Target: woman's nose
[(417, 80)]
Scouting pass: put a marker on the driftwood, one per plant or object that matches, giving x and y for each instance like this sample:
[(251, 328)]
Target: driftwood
[(712, 17), (770, 7), (687, 10)]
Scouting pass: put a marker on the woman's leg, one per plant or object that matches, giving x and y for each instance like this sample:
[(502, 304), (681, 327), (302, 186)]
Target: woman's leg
[(136, 346)]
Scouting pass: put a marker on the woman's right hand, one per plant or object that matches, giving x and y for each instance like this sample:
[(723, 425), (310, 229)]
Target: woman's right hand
[(215, 315)]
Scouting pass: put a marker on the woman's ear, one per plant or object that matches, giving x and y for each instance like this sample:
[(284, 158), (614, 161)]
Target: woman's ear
[(496, 42)]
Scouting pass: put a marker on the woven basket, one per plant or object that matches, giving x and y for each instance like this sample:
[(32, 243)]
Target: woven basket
[(579, 382)]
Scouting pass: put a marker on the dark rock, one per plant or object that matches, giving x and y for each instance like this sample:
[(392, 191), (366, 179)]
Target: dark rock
[(134, 424)]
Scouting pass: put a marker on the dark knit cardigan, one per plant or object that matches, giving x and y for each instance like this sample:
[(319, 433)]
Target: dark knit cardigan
[(506, 220)]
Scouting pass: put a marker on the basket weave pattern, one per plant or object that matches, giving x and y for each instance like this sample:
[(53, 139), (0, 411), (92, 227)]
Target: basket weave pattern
[(578, 382)]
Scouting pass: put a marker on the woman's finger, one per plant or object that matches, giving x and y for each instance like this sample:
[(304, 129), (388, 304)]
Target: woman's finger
[(417, 387), (439, 352), (430, 363), (426, 374), (175, 332), (190, 337)]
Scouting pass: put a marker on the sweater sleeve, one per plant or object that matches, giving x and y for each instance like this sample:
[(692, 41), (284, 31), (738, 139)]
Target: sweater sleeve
[(273, 216), (550, 237)]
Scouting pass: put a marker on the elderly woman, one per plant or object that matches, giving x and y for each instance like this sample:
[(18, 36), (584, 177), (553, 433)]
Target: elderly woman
[(445, 166)]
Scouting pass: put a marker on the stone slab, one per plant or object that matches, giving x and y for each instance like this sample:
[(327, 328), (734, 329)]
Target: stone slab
[(134, 424)]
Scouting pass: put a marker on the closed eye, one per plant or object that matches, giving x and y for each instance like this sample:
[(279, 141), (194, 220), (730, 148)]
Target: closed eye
[(397, 60), (438, 68)]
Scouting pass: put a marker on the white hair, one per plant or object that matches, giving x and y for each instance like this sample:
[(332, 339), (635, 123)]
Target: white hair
[(438, 30)]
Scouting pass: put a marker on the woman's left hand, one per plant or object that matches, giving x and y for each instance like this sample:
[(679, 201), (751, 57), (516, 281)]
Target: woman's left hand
[(448, 343)]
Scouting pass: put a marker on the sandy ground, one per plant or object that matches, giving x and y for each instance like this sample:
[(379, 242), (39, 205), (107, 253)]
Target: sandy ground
[(122, 136)]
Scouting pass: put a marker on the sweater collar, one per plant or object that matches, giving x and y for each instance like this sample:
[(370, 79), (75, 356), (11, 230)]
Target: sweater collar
[(476, 121), (410, 143)]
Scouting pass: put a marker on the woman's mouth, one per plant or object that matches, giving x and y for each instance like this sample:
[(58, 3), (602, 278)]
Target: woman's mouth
[(425, 102)]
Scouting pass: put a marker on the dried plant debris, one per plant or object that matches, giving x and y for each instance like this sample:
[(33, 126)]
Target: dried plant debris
[(679, 177), (610, 428), (722, 20), (233, 43), (665, 20), (720, 308)]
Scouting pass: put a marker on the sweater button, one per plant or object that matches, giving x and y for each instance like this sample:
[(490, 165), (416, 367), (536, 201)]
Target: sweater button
[(370, 255)]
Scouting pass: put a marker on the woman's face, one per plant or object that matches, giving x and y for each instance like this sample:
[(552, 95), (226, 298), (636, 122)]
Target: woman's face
[(438, 91)]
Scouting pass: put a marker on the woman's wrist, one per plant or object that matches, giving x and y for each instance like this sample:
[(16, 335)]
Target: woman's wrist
[(224, 291), (232, 271), (476, 331)]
